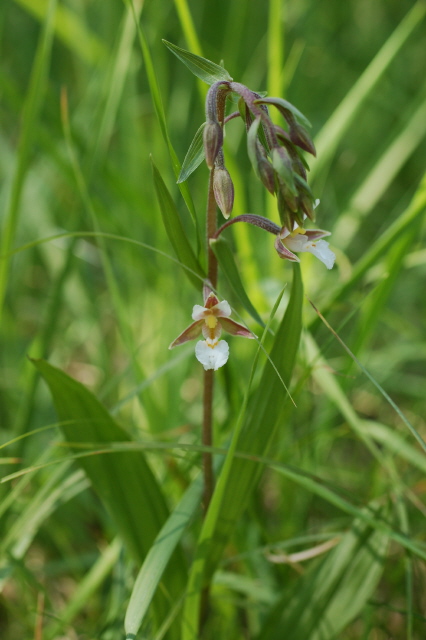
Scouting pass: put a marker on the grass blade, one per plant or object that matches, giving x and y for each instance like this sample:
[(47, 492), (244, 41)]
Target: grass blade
[(337, 589), (29, 126), (333, 131)]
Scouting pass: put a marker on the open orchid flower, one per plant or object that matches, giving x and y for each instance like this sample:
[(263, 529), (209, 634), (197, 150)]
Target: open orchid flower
[(211, 352), (300, 240)]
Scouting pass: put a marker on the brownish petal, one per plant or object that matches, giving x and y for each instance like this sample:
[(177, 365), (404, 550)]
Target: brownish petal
[(283, 252), (316, 234), (211, 301), (235, 329), (190, 333)]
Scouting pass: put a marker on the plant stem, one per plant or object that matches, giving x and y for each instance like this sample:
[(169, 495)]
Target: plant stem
[(207, 433), (207, 438)]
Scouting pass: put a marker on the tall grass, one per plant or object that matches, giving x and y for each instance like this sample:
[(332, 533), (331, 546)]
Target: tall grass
[(316, 527)]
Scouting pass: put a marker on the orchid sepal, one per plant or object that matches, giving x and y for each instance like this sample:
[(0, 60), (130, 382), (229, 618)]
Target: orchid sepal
[(236, 329), (190, 333), (283, 252)]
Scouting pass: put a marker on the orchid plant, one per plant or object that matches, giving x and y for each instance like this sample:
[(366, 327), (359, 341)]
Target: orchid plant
[(277, 157)]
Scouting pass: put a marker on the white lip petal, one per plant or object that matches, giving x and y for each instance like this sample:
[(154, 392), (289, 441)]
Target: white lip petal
[(321, 250), (212, 357)]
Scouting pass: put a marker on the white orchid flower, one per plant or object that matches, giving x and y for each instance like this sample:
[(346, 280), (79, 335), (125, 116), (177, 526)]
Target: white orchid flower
[(211, 352), (301, 240)]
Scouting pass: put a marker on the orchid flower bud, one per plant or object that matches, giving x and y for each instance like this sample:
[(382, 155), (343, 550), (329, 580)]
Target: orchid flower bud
[(223, 189), (213, 140)]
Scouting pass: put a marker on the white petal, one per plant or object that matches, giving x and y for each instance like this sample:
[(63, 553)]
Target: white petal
[(212, 357), (198, 312), (319, 248), (296, 243), (222, 310)]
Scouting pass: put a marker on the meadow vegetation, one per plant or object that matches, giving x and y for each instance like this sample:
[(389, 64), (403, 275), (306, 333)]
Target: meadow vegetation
[(316, 527)]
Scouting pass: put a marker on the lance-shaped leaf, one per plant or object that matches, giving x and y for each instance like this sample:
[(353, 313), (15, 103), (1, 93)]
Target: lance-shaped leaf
[(204, 69), (194, 156), (176, 231), (225, 256), (159, 556), (122, 479)]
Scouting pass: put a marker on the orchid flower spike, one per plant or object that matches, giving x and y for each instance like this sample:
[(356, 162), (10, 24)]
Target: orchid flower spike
[(300, 240), (211, 352)]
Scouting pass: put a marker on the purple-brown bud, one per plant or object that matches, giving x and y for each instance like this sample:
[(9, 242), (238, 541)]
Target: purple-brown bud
[(223, 189), (213, 140), (300, 137), (286, 213)]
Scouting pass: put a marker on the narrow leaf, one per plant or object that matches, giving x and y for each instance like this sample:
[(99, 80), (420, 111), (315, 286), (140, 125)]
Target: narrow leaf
[(158, 557), (176, 231), (194, 156), (123, 480), (204, 69)]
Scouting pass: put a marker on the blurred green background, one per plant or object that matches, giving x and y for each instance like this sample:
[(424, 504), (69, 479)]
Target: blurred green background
[(105, 310)]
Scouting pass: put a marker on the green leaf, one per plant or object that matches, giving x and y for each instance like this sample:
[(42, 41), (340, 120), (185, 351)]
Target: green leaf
[(204, 69), (222, 250), (159, 556), (176, 231), (123, 480), (253, 435), (194, 156), (337, 589), (29, 125)]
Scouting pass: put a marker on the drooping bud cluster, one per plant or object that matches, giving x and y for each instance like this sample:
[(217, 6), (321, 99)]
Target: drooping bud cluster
[(274, 151)]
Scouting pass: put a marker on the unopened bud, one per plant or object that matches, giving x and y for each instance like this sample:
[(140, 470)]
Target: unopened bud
[(300, 137), (213, 140), (223, 189), (283, 165), (306, 198), (287, 206), (266, 174)]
